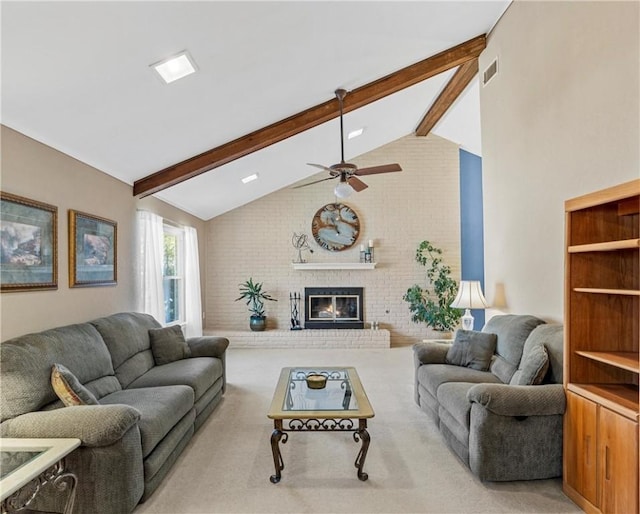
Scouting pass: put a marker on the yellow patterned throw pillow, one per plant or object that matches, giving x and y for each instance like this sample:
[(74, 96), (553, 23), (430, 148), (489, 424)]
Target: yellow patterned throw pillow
[(69, 389)]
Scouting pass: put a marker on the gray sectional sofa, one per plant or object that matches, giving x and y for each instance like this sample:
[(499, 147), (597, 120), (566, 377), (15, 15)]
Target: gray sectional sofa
[(500, 429), (147, 413)]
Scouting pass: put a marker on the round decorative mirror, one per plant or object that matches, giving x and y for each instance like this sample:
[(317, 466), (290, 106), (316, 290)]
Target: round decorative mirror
[(335, 227)]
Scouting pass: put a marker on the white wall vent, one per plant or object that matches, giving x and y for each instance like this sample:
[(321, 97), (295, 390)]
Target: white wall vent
[(490, 72)]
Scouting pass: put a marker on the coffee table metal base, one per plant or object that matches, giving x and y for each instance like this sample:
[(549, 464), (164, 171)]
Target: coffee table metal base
[(279, 435)]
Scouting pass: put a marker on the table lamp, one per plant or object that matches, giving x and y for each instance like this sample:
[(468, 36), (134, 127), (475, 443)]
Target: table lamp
[(469, 297)]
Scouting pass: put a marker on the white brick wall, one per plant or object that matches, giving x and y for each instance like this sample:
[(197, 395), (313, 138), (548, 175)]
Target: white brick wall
[(398, 210)]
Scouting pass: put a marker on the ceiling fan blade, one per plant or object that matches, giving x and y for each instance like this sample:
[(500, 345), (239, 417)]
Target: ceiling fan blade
[(385, 168), (314, 182), (357, 184), (322, 167)]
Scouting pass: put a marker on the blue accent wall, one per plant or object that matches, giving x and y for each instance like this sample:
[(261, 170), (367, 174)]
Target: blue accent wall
[(472, 225)]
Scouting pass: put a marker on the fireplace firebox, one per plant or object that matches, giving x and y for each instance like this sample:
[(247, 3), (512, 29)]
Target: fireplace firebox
[(333, 307)]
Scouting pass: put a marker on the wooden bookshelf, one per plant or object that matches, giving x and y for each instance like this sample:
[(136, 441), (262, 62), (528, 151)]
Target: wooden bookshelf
[(602, 349)]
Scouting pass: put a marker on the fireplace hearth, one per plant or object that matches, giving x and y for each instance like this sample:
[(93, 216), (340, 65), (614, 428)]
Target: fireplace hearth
[(333, 307)]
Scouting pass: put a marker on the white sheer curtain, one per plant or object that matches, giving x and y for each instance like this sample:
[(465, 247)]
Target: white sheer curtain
[(151, 237), (192, 300)]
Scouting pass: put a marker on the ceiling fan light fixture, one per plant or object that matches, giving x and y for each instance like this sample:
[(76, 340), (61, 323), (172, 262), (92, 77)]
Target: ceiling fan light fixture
[(343, 190)]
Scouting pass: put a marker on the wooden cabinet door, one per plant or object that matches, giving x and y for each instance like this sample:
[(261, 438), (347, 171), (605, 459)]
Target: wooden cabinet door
[(580, 449), (618, 471)]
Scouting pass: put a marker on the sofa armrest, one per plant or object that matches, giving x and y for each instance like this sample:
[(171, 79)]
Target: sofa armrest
[(515, 400), (208, 346), (430, 353), (94, 425), (211, 346)]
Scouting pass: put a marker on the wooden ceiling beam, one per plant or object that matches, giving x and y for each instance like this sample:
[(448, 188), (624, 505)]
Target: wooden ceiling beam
[(309, 118), (449, 94)]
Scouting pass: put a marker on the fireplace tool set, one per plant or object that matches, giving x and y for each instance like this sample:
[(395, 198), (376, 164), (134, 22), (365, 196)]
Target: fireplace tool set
[(294, 302)]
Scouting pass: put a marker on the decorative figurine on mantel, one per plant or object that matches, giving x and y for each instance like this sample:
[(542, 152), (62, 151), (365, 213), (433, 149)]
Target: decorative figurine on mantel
[(294, 301), (366, 254), (300, 242)]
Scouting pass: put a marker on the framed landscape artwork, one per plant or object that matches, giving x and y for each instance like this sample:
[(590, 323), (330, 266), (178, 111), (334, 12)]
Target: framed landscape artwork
[(92, 250), (28, 244)]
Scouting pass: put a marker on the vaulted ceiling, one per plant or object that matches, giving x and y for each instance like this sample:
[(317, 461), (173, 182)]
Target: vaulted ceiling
[(76, 76)]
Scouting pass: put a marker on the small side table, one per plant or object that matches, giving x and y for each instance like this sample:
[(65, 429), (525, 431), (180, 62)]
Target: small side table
[(29, 464), (446, 341)]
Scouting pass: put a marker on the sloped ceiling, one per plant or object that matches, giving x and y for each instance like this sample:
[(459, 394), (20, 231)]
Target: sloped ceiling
[(76, 76)]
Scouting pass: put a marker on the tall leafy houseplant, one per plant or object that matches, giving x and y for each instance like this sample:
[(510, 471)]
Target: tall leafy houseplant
[(431, 305), (255, 297)]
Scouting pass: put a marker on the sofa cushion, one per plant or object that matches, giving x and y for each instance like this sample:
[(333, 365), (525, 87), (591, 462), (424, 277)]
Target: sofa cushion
[(127, 336), (26, 363), (167, 451), (199, 373), (69, 389), (455, 416), (552, 337), (533, 367), (433, 375), (161, 408), (472, 349), (428, 403), (502, 369), (512, 331), (543, 350), (452, 397), (103, 386), (168, 344)]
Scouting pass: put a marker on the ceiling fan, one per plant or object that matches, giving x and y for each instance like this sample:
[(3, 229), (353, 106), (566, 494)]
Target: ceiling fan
[(348, 173)]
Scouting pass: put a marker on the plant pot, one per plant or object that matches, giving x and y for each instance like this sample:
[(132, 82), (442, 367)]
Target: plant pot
[(443, 335), (257, 323)]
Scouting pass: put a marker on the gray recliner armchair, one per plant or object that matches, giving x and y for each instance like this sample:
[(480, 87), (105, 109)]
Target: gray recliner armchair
[(501, 429)]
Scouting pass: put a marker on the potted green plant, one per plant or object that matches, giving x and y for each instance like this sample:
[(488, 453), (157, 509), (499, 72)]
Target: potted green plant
[(254, 295), (432, 305)]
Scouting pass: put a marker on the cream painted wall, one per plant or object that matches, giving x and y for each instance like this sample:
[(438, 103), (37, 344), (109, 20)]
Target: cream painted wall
[(38, 172), (560, 119), (397, 211)]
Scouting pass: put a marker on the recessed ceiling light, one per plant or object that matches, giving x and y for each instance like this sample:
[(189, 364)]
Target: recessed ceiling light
[(355, 133), (250, 178), (175, 67)]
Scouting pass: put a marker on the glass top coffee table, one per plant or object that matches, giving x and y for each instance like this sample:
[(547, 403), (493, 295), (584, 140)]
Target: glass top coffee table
[(323, 399)]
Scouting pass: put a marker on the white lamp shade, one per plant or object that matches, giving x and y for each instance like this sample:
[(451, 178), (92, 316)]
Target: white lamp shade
[(470, 296)]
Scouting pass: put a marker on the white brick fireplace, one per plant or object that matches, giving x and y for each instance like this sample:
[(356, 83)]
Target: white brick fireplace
[(396, 211)]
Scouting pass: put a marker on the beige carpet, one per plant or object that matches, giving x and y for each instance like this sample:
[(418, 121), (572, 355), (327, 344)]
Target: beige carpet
[(226, 467)]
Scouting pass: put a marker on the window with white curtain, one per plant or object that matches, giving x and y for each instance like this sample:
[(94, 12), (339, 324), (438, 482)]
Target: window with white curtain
[(169, 273), (173, 283)]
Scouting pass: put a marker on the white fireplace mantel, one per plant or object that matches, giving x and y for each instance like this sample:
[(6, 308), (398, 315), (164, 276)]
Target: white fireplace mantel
[(302, 266)]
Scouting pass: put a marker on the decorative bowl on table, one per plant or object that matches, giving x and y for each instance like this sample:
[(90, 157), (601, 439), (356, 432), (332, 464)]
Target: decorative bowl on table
[(316, 381)]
